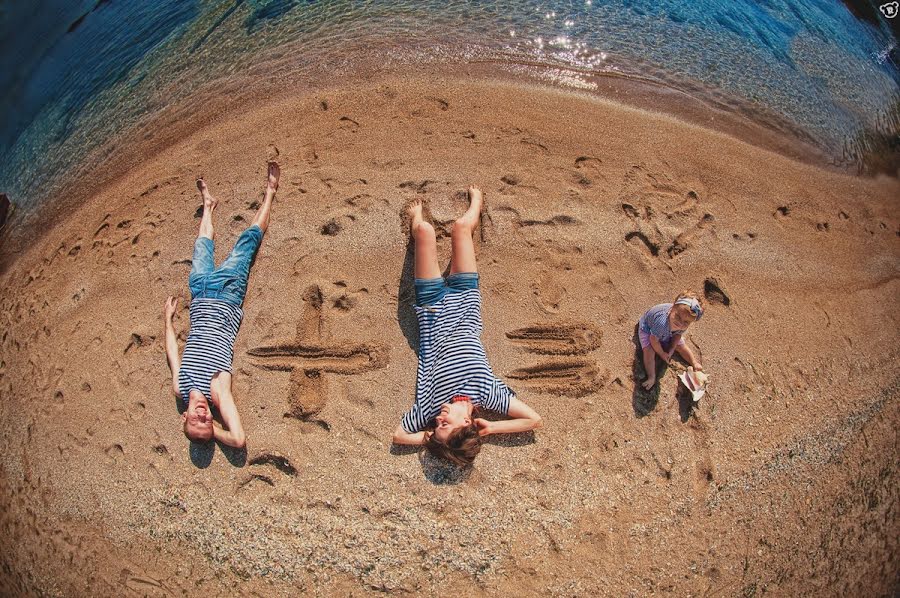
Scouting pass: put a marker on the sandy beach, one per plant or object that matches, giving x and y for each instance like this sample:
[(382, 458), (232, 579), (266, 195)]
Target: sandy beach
[(782, 481)]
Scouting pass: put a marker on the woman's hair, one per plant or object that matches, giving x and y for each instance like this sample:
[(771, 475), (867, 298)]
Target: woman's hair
[(462, 445)]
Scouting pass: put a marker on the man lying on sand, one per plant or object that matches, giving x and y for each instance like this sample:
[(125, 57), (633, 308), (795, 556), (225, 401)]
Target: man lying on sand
[(454, 378), (203, 375)]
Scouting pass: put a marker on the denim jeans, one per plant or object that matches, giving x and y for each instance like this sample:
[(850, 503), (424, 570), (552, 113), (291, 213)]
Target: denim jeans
[(431, 290), (228, 282)]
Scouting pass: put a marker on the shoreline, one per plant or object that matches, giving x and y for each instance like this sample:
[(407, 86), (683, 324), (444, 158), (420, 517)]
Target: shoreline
[(166, 128)]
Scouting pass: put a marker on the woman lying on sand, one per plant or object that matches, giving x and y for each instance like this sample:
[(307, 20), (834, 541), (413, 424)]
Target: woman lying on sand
[(453, 378)]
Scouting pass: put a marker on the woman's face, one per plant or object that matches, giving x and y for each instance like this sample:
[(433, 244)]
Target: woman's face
[(452, 417)]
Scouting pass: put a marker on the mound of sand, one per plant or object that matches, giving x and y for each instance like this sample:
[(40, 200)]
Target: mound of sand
[(783, 479)]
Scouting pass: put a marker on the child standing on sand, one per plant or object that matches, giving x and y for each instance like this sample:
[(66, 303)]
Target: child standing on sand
[(453, 378), (660, 331)]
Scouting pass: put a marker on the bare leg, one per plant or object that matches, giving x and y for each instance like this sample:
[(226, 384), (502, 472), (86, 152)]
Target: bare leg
[(688, 356), (262, 214), (209, 204), (649, 367), (462, 249), (426, 265)]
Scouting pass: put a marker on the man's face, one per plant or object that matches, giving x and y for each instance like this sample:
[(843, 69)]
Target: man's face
[(197, 418)]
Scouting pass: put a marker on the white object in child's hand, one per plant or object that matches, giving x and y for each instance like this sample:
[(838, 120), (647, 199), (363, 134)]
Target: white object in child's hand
[(695, 382)]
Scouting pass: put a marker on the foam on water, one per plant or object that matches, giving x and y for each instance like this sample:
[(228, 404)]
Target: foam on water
[(78, 75)]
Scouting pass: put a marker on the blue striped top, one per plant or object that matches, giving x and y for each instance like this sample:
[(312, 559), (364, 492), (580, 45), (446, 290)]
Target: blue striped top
[(655, 321), (210, 344), (452, 361)]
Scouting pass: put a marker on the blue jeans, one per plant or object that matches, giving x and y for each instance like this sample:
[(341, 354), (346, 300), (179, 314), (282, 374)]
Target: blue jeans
[(431, 290), (228, 282)]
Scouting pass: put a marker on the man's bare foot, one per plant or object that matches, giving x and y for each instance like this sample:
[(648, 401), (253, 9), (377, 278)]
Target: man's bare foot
[(414, 212), (274, 175), (209, 202), (648, 383)]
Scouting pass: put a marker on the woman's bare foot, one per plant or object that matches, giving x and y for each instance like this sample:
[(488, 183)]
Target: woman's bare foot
[(274, 175), (209, 202), (472, 215), (414, 213)]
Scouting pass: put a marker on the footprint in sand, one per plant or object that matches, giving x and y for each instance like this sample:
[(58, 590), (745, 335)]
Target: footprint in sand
[(265, 469)]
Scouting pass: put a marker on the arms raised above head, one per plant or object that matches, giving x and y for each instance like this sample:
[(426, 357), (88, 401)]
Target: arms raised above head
[(172, 343), (524, 418), (401, 436), (233, 432)]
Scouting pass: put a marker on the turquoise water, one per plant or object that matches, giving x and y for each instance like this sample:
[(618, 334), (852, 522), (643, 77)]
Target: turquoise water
[(77, 75)]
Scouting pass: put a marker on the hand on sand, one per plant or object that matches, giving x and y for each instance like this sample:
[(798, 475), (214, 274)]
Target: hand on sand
[(648, 383), (274, 175), (171, 305), (483, 425)]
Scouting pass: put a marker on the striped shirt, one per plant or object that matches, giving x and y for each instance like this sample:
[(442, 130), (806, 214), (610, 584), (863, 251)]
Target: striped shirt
[(452, 361), (210, 344), (656, 322)]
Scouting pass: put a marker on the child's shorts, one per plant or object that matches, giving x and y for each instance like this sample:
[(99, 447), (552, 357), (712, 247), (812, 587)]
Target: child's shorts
[(666, 345), (431, 290)]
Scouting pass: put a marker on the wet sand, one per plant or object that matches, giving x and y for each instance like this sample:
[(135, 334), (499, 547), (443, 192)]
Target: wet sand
[(782, 480)]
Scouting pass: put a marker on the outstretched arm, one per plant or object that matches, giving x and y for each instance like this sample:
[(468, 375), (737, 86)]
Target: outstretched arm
[(234, 434), (401, 436), (172, 343), (524, 418)]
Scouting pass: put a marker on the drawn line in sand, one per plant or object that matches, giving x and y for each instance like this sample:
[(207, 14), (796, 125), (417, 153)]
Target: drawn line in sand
[(308, 359), (557, 339), (575, 377)]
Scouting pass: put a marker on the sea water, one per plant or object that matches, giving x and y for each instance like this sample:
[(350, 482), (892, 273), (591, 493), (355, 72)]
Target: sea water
[(76, 75)]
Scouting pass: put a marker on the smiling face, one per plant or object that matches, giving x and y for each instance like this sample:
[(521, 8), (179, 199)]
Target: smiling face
[(197, 418), (680, 317), (453, 416)]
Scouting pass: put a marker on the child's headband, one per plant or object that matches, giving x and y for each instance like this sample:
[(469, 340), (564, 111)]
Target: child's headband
[(693, 305)]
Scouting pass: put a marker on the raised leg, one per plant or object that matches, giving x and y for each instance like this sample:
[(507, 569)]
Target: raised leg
[(462, 249), (209, 205), (426, 264), (262, 214)]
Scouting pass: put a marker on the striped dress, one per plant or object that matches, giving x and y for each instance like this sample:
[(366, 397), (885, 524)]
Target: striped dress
[(452, 361), (210, 344)]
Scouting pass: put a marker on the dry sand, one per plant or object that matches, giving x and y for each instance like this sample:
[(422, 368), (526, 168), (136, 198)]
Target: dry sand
[(783, 481)]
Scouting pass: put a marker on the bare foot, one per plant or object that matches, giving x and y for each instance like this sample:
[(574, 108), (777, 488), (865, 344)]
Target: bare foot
[(472, 215), (274, 175), (414, 212), (648, 383), (209, 202)]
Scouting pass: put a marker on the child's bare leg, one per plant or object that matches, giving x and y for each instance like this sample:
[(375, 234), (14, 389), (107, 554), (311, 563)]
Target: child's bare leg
[(649, 367), (688, 356), (426, 264), (262, 214), (209, 205), (462, 249)]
